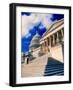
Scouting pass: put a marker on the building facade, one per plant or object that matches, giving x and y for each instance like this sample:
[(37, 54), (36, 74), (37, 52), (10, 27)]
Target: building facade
[(51, 43)]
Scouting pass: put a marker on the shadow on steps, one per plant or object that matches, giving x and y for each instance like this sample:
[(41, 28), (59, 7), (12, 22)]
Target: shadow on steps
[(54, 68)]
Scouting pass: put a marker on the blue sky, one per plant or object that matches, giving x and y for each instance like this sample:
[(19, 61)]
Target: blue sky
[(32, 22)]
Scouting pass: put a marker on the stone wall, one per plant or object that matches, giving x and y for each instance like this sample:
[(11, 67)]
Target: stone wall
[(57, 53)]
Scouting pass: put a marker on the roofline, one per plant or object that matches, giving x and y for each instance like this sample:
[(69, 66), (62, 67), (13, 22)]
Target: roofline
[(52, 26)]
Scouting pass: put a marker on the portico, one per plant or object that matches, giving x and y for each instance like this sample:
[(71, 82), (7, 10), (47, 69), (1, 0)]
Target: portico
[(52, 41)]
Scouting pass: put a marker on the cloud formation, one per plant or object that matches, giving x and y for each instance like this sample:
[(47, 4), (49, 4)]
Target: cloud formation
[(28, 22), (32, 22)]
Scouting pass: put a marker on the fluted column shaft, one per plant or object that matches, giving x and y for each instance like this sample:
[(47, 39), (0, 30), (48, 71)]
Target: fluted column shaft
[(57, 37), (53, 39)]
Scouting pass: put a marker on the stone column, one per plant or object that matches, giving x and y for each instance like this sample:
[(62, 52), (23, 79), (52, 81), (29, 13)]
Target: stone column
[(49, 41), (44, 46), (53, 39), (46, 42), (57, 37), (62, 33)]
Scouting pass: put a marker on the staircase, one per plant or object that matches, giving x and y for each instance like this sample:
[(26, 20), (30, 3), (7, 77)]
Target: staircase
[(35, 68), (42, 66), (54, 67)]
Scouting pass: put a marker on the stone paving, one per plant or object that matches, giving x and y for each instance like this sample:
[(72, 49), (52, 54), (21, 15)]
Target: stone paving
[(42, 66)]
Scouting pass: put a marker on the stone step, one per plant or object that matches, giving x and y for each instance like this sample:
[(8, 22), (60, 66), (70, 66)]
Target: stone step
[(42, 66), (53, 73), (33, 70), (53, 67), (38, 62), (51, 70), (60, 74)]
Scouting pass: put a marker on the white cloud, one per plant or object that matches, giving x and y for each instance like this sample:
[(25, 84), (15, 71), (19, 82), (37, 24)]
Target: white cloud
[(29, 21), (47, 20)]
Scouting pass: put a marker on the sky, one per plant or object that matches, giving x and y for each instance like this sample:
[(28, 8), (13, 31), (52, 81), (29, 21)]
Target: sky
[(32, 22)]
